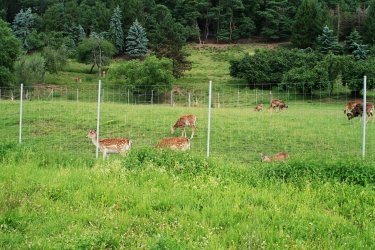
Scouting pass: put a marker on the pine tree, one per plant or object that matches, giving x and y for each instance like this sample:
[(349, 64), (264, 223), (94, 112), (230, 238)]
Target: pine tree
[(22, 26), (115, 30), (354, 37), (370, 24), (327, 41), (78, 34), (308, 24), (360, 51), (136, 45)]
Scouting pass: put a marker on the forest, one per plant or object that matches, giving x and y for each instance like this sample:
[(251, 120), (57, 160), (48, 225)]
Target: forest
[(94, 31)]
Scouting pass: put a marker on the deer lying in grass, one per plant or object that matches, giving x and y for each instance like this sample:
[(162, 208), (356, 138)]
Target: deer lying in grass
[(258, 107), (174, 143), (110, 145), (276, 157), (183, 122)]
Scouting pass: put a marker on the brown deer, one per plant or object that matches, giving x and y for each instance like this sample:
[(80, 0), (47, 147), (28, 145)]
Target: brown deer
[(78, 79), (276, 157), (351, 104), (258, 107), (358, 110), (174, 143), (183, 122), (110, 145), (276, 103)]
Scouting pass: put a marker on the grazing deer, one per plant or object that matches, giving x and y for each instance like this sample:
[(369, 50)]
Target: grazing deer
[(183, 122), (78, 79), (258, 107), (174, 143), (358, 110), (276, 157), (110, 145), (276, 103), (351, 104)]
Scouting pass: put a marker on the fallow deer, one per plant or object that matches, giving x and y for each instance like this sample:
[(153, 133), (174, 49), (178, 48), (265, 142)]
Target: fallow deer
[(174, 143), (358, 110), (276, 103), (351, 104), (110, 145), (183, 122), (259, 107), (276, 157)]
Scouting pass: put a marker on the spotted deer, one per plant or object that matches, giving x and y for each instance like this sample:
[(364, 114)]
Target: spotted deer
[(276, 103), (351, 104), (110, 145), (358, 110), (174, 143), (276, 157), (258, 107), (183, 122)]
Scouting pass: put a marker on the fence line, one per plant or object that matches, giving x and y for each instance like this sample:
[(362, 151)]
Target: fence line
[(247, 98)]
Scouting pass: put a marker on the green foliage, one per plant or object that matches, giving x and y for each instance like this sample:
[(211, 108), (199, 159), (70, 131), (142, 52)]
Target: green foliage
[(360, 51), (55, 59), (369, 28), (136, 41), (96, 51), (306, 79), (354, 37), (115, 30), (353, 73), (327, 42), (352, 172), (30, 69), (308, 24), (22, 26), (268, 66), (78, 34), (151, 74), (9, 50)]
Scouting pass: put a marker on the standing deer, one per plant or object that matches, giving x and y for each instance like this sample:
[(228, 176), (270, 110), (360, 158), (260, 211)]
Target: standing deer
[(276, 103), (110, 145), (183, 122), (276, 157), (174, 143)]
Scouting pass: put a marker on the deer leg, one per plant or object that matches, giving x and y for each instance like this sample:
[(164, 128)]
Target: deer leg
[(104, 154), (192, 132), (184, 132)]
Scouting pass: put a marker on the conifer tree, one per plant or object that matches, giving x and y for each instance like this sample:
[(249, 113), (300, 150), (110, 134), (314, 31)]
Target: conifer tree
[(22, 26), (308, 24), (115, 30), (78, 34), (370, 24), (327, 41), (354, 37), (136, 45), (360, 51)]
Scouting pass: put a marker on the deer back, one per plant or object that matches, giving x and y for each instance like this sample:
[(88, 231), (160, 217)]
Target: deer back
[(175, 143)]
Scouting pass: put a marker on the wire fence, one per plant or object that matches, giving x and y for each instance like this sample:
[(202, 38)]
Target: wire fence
[(57, 118)]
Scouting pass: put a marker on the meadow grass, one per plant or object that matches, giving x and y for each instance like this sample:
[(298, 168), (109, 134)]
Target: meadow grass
[(56, 195)]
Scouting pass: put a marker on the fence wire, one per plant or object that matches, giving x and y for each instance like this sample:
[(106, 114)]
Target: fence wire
[(57, 118)]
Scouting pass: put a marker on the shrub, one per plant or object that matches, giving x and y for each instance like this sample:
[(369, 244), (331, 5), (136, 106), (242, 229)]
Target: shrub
[(30, 69), (55, 59)]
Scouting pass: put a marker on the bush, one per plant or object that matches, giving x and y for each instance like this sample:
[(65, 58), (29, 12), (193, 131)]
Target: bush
[(151, 74), (55, 59), (30, 69)]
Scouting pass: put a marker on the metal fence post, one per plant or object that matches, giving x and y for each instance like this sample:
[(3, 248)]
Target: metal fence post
[(98, 120), (209, 118), (189, 100), (171, 98), (20, 132), (364, 117)]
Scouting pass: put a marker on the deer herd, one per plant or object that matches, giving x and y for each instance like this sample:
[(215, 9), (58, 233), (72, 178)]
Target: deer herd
[(182, 143)]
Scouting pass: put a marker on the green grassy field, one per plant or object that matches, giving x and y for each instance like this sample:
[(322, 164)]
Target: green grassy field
[(56, 195)]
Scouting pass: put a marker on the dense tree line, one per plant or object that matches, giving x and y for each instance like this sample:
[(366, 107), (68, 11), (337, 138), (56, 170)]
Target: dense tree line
[(93, 31), (220, 20)]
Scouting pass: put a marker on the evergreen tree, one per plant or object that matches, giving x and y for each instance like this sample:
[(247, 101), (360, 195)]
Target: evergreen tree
[(115, 30), (78, 34), (354, 37), (308, 24), (369, 28), (327, 42), (136, 45), (360, 51), (22, 26)]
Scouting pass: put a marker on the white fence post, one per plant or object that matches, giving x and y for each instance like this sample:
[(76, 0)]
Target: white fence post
[(209, 119), (21, 97), (189, 100), (364, 117), (98, 120)]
